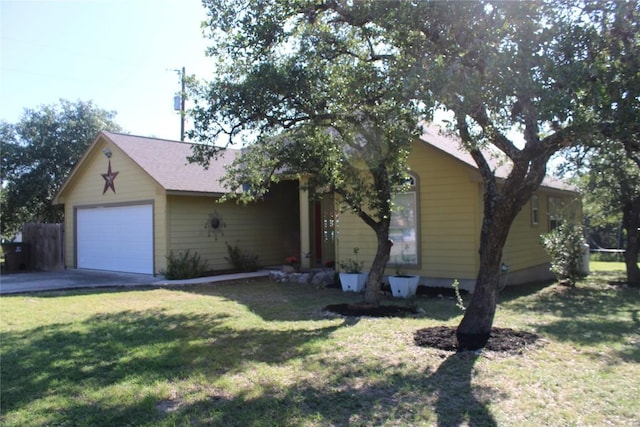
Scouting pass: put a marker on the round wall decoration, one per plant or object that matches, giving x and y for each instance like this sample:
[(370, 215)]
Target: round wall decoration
[(214, 225)]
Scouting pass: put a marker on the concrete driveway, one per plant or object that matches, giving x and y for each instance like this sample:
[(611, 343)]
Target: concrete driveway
[(71, 279), (74, 279)]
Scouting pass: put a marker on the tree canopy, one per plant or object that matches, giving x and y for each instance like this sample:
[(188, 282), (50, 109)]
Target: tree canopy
[(536, 68), (609, 160), (38, 153), (328, 104), (500, 66)]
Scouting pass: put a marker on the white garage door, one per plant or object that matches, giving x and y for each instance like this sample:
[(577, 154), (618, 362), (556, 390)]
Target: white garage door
[(116, 238)]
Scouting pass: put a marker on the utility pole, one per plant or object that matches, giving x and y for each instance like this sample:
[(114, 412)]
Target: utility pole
[(182, 112), (180, 105)]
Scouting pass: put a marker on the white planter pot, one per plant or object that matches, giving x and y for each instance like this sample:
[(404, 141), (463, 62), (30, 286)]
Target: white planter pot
[(404, 286), (353, 282)]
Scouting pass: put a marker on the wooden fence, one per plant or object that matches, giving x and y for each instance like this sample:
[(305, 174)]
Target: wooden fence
[(45, 246)]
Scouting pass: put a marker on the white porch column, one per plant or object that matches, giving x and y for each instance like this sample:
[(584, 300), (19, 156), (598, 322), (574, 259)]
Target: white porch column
[(305, 226)]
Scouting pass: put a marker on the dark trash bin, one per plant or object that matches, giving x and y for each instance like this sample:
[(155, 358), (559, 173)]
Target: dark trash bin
[(15, 256)]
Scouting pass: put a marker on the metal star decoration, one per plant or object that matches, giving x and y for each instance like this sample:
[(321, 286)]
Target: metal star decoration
[(109, 179)]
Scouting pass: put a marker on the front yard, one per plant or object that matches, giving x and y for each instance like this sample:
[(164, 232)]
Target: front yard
[(265, 354)]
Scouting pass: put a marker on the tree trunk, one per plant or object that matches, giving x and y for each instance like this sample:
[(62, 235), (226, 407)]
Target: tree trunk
[(376, 273), (475, 327), (631, 222)]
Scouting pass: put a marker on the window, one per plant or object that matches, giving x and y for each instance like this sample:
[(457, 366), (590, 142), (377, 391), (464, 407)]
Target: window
[(403, 230), (556, 209), (535, 210)]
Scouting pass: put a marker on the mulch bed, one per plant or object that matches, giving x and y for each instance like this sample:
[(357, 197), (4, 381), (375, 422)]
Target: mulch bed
[(502, 340), (424, 291), (359, 310)]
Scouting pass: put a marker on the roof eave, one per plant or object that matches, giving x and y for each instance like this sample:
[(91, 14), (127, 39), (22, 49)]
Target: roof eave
[(214, 194)]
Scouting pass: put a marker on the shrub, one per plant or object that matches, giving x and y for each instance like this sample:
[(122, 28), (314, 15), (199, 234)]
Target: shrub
[(565, 245), (184, 265), (240, 260)]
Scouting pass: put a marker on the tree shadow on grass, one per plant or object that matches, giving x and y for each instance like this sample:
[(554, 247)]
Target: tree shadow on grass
[(71, 360), (592, 313), (349, 397), (595, 297), (102, 372), (458, 401), (292, 301), (620, 336)]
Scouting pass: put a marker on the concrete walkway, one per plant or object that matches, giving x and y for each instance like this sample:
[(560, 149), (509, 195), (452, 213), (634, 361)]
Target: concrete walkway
[(23, 282)]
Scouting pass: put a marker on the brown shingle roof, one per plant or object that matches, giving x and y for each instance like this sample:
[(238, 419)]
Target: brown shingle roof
[(166, 162), (451, 145)]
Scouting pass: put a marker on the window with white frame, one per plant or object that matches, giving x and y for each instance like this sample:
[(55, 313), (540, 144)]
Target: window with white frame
[(535, 210), (555, 214), (403, 230)]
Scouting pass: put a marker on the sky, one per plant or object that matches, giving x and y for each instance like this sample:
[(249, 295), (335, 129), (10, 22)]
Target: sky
[(120, 54)]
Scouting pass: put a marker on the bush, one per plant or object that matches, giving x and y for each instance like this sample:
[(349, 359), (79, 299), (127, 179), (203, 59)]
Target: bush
[(184, 266), (565, 245), (240, 260)]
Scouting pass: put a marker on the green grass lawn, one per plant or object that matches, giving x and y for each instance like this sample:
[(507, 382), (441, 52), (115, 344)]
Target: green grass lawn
[(607, 266), (264, 354)]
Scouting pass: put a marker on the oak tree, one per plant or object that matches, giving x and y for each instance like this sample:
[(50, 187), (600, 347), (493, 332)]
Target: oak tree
[(499, 67), (38, 154), (320, 100)]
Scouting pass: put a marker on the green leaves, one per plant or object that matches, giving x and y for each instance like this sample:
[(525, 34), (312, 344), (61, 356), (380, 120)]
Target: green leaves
[(565, 246), (38, 153), (321, 93)]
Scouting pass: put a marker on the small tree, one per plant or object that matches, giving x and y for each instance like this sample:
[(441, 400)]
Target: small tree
[(565, 246)]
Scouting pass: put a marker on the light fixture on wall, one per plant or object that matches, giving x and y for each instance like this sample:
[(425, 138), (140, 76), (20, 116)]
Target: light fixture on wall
[(106, 152)]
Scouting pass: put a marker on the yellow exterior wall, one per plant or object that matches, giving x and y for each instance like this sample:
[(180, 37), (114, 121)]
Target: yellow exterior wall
[(523, 249), (449, 212), (132, 187), (269, 229)]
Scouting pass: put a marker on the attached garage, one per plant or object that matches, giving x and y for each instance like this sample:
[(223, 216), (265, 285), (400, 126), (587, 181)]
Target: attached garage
[(118, 238), (131, 202)]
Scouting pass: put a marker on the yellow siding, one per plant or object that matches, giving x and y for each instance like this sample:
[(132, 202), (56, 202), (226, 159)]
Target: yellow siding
[(449, 219), (269, 229), (523, 248), (132, 186), (450, 214)]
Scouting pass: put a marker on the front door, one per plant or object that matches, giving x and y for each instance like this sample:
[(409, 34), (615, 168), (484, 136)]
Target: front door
[(324, 230)]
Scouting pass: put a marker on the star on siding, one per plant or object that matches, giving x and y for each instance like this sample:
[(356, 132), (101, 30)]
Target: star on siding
[(109, 177)]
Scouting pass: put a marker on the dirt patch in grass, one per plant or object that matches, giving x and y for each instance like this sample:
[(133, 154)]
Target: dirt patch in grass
[(502, 340)]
